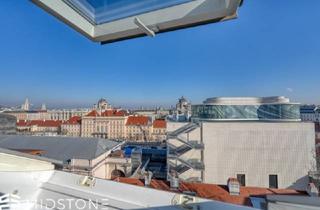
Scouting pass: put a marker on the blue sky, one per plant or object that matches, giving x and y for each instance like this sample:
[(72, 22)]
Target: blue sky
[(273, 48)]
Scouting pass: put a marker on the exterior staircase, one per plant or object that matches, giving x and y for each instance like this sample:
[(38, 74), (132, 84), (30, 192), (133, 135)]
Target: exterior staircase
[(178, 145)]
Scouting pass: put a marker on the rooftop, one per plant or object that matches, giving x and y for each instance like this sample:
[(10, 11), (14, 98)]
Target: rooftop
[(39, 123), (35, 182), (93, 113), (59, 148), (214, 192), (159, 124), (113, 113), (73, 121), (137, 120)]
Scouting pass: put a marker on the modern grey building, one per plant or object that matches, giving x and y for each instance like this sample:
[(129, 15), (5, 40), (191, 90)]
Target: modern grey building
[(7, 124), (260, 141)]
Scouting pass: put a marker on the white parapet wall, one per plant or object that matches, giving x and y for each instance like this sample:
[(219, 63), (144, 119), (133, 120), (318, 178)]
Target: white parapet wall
[(11, 162)]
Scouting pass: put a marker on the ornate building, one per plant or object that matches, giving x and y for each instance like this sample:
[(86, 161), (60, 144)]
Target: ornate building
[(107, 124), (183, 106), (39, 127), (72, 127), (182, 111), (139, 128), (159, 129), (66, 114), (26, 105), (117, 124), (103, 105)]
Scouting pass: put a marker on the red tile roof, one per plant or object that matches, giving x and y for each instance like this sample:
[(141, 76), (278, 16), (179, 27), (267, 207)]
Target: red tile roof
[(39, 123), (46, 123), (113, 113), (214, 192), (22, 123), (137, 120), (73, 121), (159, 124), (93, 113)]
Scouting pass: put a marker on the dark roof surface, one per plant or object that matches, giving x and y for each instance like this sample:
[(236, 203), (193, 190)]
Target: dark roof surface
[(59, 148)]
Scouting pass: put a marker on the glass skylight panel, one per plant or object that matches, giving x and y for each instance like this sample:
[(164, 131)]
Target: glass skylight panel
[(102, 11), (108, 21)]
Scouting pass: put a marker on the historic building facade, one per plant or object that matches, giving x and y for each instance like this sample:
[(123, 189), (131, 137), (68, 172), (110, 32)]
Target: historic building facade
[(72, 127), (159, 129), (118, 124), (66, 114), (138, 128), (108, 124), (39, 127)]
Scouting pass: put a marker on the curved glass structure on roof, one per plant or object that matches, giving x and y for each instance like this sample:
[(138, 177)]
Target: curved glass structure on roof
[(102, 11), (255, 111)]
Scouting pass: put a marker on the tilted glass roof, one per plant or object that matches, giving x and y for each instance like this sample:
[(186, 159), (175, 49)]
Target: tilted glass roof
[(107, 21), (102, 11)]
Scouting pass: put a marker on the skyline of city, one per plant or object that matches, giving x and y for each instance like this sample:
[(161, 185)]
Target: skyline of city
[(159, 104), (39, 106), (70, 71)]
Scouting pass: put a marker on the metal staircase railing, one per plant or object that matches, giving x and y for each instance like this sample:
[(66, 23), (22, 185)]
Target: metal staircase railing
[(180, 169), (192, 144), (191, 163), (175, 152), (178, 150), (184, 129)]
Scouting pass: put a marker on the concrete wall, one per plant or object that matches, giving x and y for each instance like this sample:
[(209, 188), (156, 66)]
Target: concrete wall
[(257, 150)]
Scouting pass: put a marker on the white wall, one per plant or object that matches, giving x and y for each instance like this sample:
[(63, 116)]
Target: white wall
[(16, 163), (258, 149)]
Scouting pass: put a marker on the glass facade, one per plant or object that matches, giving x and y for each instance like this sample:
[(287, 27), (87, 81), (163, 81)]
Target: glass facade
[(247, 112), (102, 11)]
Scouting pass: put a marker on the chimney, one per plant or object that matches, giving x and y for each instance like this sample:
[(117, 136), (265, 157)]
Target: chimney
[(233, 186), (174, 183), (147, 178), (312, 190)]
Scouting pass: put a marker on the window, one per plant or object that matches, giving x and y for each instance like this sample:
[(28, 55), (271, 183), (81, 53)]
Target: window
[(241, 179), (105, 10), (273, 181), (113, 20)]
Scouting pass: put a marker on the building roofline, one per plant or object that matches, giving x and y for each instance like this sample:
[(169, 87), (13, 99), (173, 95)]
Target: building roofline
[(247, 100), (26, 155)]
